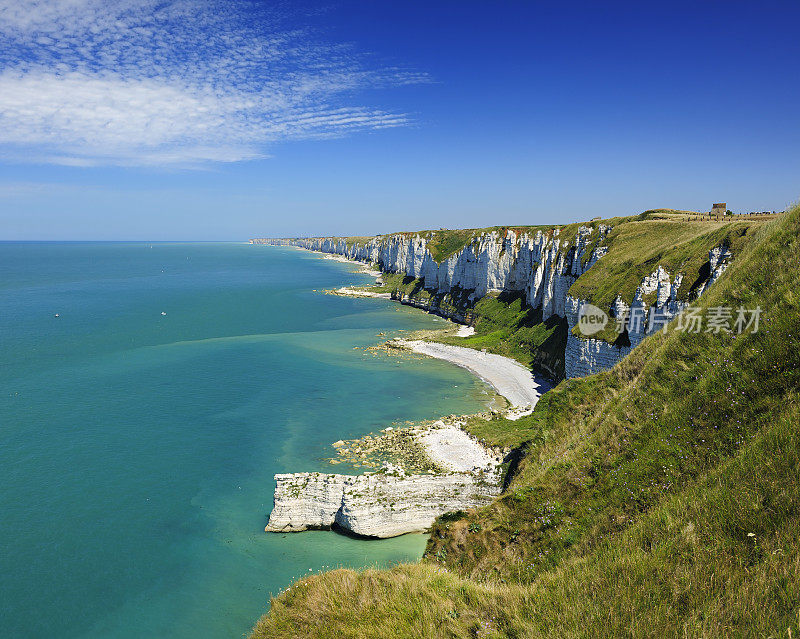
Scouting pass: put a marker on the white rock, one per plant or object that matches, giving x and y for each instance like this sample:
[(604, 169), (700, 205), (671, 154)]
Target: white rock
[(541, 265), (374, 505)]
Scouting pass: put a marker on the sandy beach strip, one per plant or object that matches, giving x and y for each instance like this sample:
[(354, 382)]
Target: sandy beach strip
[(452, 448), (508, 377)]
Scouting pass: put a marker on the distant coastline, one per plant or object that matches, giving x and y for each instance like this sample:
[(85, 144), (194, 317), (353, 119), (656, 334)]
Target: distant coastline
[(393, 501)]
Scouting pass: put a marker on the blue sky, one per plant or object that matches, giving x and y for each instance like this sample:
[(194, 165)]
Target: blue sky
[(214, 120)]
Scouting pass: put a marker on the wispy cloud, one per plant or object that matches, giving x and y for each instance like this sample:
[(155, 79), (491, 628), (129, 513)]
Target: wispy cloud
[(183, 82)]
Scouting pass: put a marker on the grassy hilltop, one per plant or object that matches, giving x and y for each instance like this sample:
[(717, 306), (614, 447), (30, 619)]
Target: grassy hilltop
[(658, 499), (636, 246)]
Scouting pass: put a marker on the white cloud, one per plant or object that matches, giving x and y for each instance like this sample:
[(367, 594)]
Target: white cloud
[(183, 82)]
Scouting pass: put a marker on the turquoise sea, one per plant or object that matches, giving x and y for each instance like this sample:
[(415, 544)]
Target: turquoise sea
[(137, 448)]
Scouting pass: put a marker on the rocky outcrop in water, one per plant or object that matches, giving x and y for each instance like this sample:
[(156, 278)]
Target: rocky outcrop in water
[(375, 505)]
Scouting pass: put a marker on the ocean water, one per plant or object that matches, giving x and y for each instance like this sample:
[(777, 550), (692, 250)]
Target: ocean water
[(137, 449)]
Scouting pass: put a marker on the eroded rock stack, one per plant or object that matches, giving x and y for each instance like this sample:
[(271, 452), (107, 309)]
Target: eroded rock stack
[(375, 504)]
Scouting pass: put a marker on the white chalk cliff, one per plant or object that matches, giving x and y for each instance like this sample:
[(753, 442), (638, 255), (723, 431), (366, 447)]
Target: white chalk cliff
[(540, 266), (586, 356), (375, 505)]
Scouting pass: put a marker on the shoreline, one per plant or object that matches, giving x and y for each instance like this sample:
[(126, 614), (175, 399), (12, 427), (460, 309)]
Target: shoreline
[(349, 291), (457, 471), (509, 378), (438, 447), (506, 376), (362, 266)]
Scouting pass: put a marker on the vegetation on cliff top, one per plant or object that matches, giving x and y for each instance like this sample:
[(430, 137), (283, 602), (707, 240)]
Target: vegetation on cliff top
[(660, 498), (637, 248), (443, 244)]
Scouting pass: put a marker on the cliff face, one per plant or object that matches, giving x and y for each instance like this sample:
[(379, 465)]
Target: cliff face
[(542, 266), (375, 505), (584, 356)]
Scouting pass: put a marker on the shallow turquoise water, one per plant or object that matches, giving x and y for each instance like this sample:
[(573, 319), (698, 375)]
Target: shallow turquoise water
[(137, 449)]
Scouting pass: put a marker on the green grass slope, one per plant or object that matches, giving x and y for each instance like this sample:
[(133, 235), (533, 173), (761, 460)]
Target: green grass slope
[(658, 499), (637, 247), (505, 325), (679, 241)]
